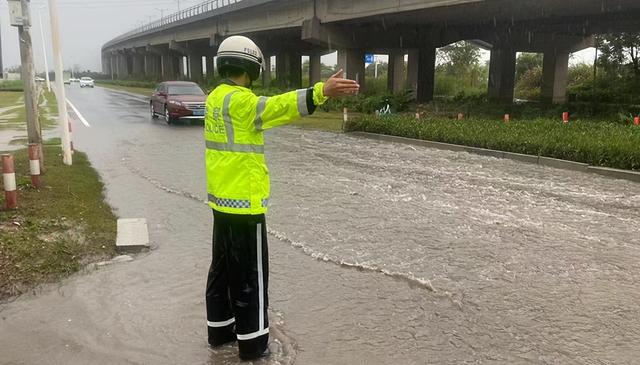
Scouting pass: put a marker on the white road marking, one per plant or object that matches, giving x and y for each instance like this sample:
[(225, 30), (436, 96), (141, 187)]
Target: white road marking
[(75, 110)]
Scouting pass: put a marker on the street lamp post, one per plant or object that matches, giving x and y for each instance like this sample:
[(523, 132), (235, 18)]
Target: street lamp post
[(60, 91)]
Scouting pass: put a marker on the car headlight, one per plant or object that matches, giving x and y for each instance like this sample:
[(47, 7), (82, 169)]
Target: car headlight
[(176, 103)]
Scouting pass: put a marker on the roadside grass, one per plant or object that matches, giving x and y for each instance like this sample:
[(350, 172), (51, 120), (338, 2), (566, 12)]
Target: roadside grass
[(601, 143), (144, 91), (327, 121), (14, 115), (15, 85), (57, 229), (12, 112)]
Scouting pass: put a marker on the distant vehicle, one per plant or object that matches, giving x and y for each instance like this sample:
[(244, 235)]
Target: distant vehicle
[(86, 82), (175, 100), (66, 77), (39, 79), (74, 80)]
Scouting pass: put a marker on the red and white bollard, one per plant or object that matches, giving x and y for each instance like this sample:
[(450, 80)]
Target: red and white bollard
[(9, 181), (460, 116), (418, 115), (345, 115), (636, 121), (507, 118), (71, 136), (34, 165), (565, 117)]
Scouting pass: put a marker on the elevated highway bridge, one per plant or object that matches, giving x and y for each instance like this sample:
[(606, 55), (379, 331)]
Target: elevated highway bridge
[(289, 29)]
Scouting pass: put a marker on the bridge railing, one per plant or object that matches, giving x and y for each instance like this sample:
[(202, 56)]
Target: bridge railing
[(195, 10)]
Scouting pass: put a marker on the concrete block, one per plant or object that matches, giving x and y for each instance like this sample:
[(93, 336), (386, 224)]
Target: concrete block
[(133, 235), (563, 164), (615, 173)]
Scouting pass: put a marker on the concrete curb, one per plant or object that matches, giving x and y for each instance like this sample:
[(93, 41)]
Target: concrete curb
[(538, 160)]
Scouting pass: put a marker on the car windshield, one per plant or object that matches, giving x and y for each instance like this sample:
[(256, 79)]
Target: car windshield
[(185, 90), (86, 78)]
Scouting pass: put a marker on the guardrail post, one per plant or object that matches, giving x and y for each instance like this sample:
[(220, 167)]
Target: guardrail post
[(565, 117), (636, 121), (9, 181)]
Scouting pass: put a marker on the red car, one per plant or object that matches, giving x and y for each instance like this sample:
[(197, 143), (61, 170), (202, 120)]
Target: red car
[(176, 100)]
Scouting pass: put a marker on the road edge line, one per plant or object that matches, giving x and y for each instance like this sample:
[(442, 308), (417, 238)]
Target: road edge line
[(75, 110)]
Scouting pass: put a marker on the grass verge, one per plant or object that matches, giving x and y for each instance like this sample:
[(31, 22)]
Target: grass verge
[(321, 120), (57, 229), (596, 143)]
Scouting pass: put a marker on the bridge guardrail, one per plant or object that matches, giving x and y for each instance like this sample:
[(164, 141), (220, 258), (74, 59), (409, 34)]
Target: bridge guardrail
[(195, 10)]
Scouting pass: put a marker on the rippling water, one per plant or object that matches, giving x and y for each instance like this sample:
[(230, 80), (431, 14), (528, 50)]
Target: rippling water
[(380, 253)]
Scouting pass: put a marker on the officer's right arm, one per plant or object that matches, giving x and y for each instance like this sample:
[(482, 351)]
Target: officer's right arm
[(263, 112)]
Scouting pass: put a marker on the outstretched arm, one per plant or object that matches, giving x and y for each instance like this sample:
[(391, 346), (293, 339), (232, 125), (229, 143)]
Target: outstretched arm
[(270, 112)]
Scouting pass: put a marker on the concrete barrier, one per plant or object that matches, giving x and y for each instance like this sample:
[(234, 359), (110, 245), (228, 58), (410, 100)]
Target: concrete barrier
[(539, 160)]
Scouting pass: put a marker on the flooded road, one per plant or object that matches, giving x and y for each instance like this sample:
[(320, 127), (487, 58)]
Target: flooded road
[(380, 253)]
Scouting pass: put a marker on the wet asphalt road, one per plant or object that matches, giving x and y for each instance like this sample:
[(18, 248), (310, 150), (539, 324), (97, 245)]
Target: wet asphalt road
[(380, 253)]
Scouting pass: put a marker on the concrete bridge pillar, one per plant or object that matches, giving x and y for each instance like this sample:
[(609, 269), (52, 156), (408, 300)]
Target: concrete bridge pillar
[(421, 69), (352, 62), (114, 66), (315, 69), (123, 66), (502, 71), (195, 67), (150, 65), (412, 71), (211, 68), (555, 76), (266, 73), (138, 65), (295, 70), (289, 70), (395, 76), (426, 74), (166, 65), (182, 68)]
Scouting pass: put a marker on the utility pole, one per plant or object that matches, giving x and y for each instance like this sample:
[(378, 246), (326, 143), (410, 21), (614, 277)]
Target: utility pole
[(1, 67), (61, 96), (23, 22), (44, 53)]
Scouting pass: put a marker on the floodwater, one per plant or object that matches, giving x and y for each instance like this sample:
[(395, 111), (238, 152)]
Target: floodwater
[(380, 253)]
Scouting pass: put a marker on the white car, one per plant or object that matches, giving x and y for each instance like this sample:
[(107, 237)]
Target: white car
[(86, 82)]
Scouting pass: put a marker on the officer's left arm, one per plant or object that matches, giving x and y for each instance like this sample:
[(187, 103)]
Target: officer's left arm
[(269, 112)]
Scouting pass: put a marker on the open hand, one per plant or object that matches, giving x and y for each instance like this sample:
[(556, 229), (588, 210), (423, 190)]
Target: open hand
[(337, 86)]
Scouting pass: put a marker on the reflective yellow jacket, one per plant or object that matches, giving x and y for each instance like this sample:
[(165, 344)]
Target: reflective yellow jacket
[(237, 174)]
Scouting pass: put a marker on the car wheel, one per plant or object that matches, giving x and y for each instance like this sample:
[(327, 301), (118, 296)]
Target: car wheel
[(167, 116), (152, 112)]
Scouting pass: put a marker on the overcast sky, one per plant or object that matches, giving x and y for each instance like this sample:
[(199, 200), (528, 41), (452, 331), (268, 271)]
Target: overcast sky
[(87, 24)]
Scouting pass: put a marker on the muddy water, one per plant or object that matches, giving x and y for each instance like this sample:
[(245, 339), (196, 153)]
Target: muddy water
[(380, 253)]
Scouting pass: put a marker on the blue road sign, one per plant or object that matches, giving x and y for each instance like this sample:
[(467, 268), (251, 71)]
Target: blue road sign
[(368, 58)]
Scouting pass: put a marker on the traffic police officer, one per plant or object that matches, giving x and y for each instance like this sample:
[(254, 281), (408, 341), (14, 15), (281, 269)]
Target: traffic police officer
[(238, 190)]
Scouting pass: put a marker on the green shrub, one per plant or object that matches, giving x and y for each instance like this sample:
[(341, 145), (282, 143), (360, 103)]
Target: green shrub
[(14, 85), (610, 144)]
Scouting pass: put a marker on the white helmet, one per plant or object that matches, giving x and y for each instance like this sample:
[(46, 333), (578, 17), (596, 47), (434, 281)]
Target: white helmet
[(240, 53)]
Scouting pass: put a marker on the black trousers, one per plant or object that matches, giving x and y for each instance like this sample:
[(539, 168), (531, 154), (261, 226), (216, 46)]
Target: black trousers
[(237, 285)]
